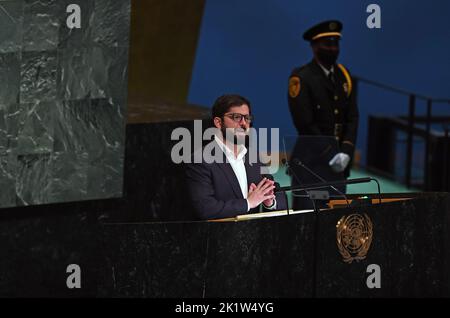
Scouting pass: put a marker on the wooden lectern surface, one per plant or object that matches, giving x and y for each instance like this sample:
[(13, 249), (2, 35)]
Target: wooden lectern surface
[(245, 217), (333, 204)]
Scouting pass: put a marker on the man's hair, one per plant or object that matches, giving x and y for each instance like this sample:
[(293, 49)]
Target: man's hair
[(223, 104)]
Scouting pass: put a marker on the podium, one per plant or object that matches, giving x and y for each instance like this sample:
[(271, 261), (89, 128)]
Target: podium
[(272, 256), (408, 249)]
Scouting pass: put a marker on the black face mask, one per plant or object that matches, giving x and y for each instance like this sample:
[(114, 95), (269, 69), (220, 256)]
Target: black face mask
[(327, 57)]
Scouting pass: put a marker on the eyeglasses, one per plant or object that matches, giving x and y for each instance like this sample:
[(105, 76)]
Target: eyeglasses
[(238, 117)]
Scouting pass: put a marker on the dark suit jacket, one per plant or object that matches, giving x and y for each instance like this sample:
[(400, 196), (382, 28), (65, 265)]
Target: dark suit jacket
[(215, 192)]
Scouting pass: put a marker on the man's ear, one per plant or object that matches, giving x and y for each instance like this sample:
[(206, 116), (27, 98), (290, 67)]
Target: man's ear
[(218, 122)]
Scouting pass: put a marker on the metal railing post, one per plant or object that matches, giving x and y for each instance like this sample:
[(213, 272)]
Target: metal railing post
[(445, 162), (426, 181), (409, 149)]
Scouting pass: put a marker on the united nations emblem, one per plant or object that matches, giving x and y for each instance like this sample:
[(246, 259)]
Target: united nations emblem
[(354, 236)]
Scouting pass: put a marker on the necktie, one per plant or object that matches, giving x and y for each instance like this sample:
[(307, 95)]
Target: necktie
[(331, 77)]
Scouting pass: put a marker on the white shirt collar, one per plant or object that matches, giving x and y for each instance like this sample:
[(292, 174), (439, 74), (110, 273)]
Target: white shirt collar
[(324, 69)]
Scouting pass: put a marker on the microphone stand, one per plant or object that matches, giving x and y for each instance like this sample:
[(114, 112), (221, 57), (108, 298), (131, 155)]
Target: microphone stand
[(301, 164), (320, 185), (288, 168)]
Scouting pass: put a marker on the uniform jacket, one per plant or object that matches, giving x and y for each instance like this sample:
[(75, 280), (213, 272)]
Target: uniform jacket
[(324, 108)]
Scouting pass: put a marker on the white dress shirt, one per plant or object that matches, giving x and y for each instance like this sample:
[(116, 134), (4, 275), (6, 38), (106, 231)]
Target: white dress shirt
[(237, 163), (238, 166)]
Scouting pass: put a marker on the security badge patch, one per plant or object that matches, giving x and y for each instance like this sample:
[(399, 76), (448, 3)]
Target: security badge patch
[(294, 86), (345, 87), (354, 235)]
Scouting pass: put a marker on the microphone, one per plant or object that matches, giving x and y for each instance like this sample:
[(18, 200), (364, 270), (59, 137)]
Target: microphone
[(349, 181), (320, 185), (298, 162), (306, 187), (290, 172)]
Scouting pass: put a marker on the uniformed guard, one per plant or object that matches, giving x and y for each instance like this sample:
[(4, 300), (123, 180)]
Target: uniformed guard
[(322, 101)]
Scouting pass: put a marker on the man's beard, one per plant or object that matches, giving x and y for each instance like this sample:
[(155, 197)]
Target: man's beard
[(236, 136)]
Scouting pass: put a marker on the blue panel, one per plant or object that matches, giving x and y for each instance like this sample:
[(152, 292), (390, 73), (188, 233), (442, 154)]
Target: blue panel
[(250, 47)]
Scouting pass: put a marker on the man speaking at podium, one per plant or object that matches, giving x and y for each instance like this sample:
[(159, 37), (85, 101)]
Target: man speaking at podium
[(322, 100), (232, 186)]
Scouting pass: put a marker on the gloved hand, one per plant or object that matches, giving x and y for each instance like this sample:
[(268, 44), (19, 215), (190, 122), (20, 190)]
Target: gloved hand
[(339, 162)]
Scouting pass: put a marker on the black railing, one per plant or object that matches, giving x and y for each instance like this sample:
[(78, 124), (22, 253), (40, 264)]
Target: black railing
[(446, 159), (412, 119)]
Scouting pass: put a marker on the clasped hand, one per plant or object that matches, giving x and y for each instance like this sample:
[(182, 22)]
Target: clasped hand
[(261, 193)]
